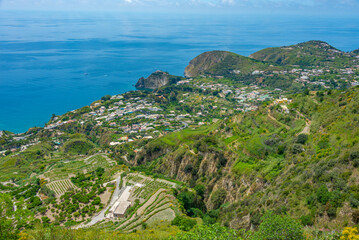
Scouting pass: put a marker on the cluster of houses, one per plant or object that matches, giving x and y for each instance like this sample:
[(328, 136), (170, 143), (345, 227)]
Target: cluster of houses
[(247, 97), (306, 76), (22, 147), (58, 123)]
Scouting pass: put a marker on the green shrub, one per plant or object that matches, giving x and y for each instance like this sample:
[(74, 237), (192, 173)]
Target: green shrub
[(332, 212), (218, 197), (297, 148), (278, 227), (323, 195), (307, 220), (208, 232), (353, 202), (184, 223)]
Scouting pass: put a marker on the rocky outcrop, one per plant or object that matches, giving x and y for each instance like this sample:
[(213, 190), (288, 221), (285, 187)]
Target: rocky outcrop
[(154, 81), (203, 62)]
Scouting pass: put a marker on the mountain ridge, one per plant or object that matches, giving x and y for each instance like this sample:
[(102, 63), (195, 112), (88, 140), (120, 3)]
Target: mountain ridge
[(307, 54)]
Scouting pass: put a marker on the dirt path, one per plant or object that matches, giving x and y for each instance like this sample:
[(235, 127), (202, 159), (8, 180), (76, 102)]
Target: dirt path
[(306, 129), (308, 123), (275, 120)]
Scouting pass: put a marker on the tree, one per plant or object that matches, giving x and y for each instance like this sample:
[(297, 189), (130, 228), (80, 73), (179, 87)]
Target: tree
[(296, 148), (302, 138), (200, 189), (45, 221), (278, 227), (187, 199), (218, 197), (96, 201), (106, 98)]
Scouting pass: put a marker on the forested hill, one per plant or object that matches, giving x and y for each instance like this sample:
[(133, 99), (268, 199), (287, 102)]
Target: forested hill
[(311, 53), (222, 63)]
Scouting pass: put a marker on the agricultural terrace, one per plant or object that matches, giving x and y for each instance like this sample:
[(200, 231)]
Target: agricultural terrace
[(152, 202), (68, 168), (61, 186), (78, 199)]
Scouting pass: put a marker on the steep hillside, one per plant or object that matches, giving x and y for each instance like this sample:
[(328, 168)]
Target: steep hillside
[(221, 63), (356, 51), (311, 53), (300, 157), (156, 80)]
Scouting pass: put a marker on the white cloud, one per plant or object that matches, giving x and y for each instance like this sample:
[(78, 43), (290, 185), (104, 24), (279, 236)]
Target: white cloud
[(229, 2)]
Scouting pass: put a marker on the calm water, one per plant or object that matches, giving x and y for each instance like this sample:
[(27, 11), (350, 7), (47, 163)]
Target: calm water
[(56, 62)]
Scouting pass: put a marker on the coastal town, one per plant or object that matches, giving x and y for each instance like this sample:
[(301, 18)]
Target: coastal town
[(200, 101)]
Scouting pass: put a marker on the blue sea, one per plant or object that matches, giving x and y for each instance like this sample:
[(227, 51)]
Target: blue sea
[(54, 62)]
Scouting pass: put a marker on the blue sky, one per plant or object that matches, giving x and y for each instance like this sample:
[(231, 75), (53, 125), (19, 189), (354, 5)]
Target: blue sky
[(303, 6)]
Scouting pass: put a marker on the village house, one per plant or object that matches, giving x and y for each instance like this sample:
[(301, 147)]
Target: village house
[(119, 208)]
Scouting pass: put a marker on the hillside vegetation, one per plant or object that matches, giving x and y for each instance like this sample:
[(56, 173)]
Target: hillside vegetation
[(219, 63), (312, 53), (262, 160)]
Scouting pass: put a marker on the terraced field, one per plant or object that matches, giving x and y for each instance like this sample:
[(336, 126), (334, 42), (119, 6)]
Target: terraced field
[(156, 203), (61, 186), (135, 178), (150, 188), (159, 206), (64, 169)]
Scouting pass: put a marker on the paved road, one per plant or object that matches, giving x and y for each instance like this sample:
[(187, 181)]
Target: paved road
[(101, 216), (185, 125)]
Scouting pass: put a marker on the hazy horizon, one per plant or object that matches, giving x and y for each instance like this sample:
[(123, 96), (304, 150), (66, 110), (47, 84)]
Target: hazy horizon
[(318, 7)]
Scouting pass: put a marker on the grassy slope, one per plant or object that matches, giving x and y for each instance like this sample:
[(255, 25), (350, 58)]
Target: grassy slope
[(236, 62), (223, 63)]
